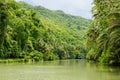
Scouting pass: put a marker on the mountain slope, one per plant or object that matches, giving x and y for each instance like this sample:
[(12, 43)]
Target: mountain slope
[(59, 17), (31, 33)]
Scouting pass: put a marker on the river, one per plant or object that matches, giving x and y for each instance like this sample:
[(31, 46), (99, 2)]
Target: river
[(58, 70)]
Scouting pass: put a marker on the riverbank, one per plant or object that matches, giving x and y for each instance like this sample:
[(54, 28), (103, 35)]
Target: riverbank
[(17, 61), (24, 60), (12, 60)]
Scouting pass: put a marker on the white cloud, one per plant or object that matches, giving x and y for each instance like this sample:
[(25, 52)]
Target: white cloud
[(75, 7)]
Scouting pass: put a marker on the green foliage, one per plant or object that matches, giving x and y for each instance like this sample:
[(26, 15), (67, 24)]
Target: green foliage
[(58, 16), (50, 57), (36, 33), (103, 35), (36, 56)]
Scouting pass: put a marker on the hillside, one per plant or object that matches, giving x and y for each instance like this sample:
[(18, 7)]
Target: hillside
[(59, 17), (33, 32)]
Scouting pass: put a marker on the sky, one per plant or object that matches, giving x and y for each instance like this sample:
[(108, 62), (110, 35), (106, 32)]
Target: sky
[(73, 7)]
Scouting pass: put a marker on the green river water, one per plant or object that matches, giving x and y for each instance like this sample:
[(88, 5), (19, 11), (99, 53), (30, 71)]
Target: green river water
[(58, 70)]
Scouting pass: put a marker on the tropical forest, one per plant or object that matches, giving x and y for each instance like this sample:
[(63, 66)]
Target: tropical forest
[(39, 43), (36, 33)]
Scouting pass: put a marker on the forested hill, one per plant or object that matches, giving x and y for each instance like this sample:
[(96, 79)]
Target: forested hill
[(59, 17), (33, 32)]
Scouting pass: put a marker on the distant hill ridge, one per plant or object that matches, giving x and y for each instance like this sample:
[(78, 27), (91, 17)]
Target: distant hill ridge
[(58, 16)]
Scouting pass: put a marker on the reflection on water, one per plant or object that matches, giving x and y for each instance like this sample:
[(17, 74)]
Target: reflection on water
[(58, 70)]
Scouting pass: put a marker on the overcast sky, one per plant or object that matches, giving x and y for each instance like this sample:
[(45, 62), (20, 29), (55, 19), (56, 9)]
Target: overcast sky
[(74, 7)]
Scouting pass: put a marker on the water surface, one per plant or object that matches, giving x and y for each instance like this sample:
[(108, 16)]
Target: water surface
[(58, 70)]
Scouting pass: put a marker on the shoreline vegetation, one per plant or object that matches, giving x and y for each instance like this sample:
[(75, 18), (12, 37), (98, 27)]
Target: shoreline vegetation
[(35, 33), (26, 60), (103, 35), (12, 60)]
